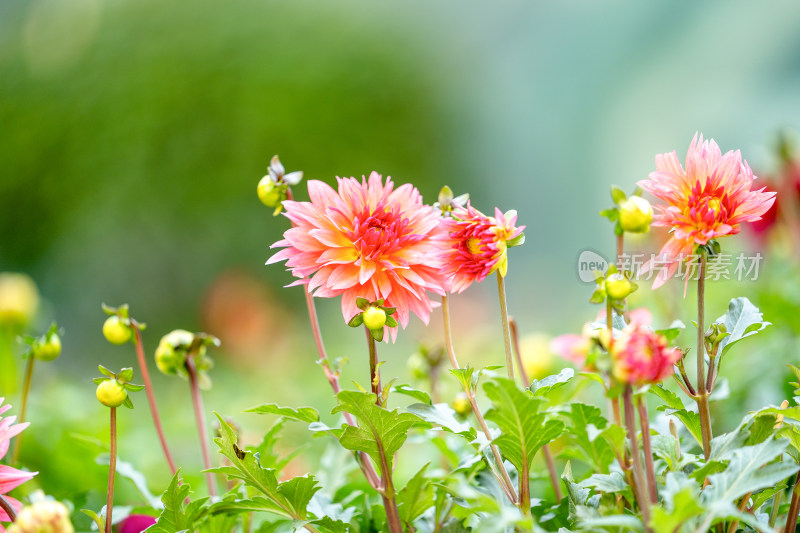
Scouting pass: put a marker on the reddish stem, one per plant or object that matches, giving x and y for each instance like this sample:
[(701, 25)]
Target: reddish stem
[(26, 388), (202, 427), (151, 399), (112, 468)]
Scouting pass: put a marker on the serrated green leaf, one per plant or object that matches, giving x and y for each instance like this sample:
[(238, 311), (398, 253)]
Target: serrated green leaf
[(681, 505), (465, 376), (415, 498), (178, 515), (298, 491), (302, 414), (742, 320), (380, 433), (551, 383), (586, 427), (524, 430), (443, 416), (613, 482)]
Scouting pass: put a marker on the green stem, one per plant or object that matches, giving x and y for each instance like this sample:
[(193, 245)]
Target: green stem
[(6, 506), (502, 478), (26, 388), (202, 426), (501, 291), (151, 399), (112, 468), (388, 495), (526, 382), (638, 474), (644, 421), (374, 372), (702, 391)]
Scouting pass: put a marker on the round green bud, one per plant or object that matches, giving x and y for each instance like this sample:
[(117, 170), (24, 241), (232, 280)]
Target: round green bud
[(48, 350), (116, 331), (19, 299), (111, 394), (635, 214), (46, 516), (461, 405), (618, 286), (171, 351), (268, 192), (374, 318)]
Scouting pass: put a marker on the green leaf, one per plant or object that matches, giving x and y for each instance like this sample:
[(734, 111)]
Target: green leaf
[(178, 515), (681, 505), (302, 414), (611, 214), (418, 395), (586, 428), (415, 498), (613, 482), (618, 195), (443, 415), (742, 320), (549, 384), (674, 406), (465, 376), (751, 468), (99, 519), (380, 433), (524, 429), (673, 331), (288, 498)]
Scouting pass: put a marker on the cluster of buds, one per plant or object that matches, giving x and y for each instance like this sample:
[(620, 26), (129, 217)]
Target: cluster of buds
[(447, 202), (630, 214), (375, 316), (614, 285), (44, 516), (118, 327), (112, 389), (425, 361), (176, 346), (46, 347), (274, 187)]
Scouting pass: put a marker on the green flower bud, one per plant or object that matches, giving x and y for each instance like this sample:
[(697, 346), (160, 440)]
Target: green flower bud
[(461, 405), (48, 348), (418, 366), (374, 318), (635, 215), (618, 286), (269, 192), (116, 331), (46, 516), (111, 393)]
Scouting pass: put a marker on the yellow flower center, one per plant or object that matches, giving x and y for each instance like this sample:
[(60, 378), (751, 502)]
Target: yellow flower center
[(713, 203), (474, 246)]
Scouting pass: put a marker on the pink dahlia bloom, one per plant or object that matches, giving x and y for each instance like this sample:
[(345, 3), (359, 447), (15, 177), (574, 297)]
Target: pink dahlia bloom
[(10, 478), (476, 245), (365, 240), (136, 523), (711, 198), (641, 355)]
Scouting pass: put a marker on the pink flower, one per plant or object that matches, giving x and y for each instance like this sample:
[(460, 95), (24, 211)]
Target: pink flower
[(572, 347), (640, 355), (476, 245), (365, 240), (136, 523), (708, 200), (10, 478)]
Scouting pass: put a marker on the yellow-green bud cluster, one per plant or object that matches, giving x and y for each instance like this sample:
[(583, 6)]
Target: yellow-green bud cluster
[(19, 299), (635, 215)]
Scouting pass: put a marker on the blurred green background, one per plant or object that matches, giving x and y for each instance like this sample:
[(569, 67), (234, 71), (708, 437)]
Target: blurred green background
[(134, 133)]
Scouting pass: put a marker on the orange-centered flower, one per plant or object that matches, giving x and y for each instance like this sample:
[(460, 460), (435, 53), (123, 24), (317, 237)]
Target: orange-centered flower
[(711, 198), (365, 240), (476, 245), (642, 356)]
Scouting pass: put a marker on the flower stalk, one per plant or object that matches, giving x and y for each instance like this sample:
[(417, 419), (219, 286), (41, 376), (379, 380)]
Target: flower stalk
[(702, 391), (202, 426), (112, 468), (374, 372), (644, 422), (26, 388), (151, 399), (501, 474), (501, 291), (639, 489)]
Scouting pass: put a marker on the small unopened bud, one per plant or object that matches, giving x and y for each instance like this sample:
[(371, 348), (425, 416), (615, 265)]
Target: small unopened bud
[(446, 198), (111, 393), (635, 214), (461, 405), (374, 318), (779, 418), (46, 516), (116, 331), (48, 348), (269, 192), (418, 366), (715, 333), (618, 286)]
